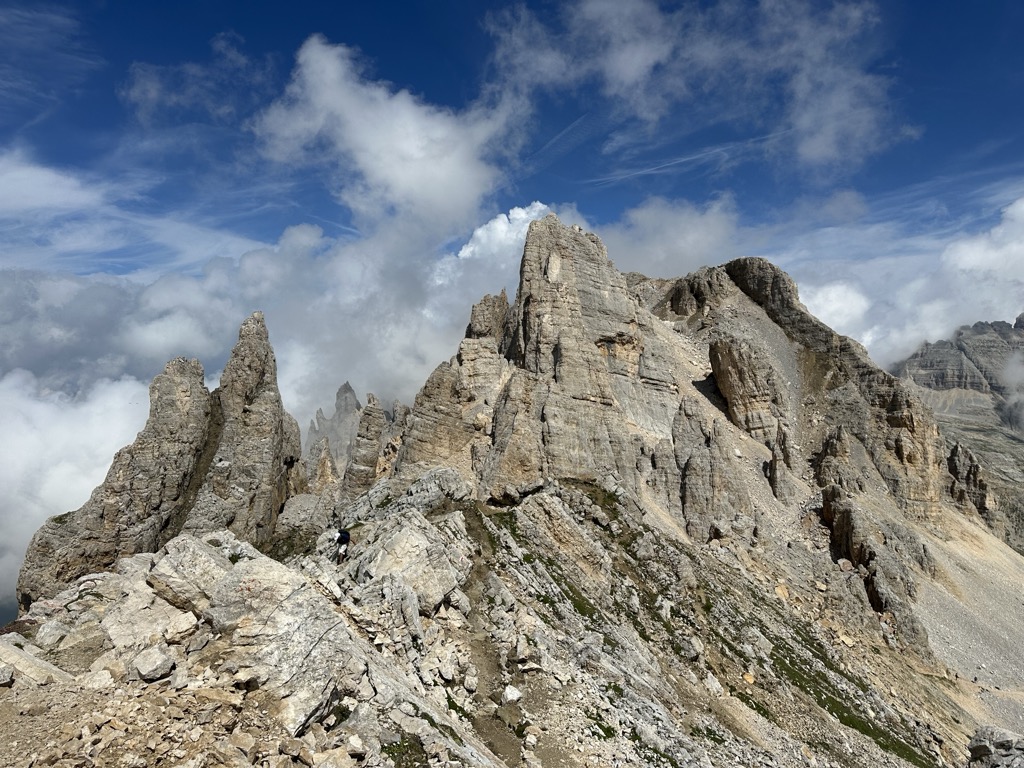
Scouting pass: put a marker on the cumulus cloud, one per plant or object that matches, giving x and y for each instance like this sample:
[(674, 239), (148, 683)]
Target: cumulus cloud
[(839, 305), (669, 238), (91, 342), (393, 153), (998, 252), (56, 449), (893, 288)]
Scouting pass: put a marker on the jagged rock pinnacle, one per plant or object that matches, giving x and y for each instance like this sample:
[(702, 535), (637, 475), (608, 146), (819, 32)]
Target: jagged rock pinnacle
[(203, 462)]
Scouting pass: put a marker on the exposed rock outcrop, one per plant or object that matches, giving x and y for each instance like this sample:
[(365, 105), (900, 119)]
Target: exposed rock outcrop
[(996, 748), (145, 497), (339, 430), (973, 383), (202, 462), (255, 463)]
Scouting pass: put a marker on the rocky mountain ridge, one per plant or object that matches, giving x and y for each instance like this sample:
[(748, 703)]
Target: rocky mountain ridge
[(973, 384), (631, 522)]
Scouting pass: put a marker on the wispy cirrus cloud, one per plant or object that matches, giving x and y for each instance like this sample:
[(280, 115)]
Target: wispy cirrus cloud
[(42, 52), (224, 90), (53, 218), (801, 72)]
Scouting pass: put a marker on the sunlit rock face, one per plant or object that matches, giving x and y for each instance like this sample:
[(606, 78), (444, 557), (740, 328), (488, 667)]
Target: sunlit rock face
[(630, 522)]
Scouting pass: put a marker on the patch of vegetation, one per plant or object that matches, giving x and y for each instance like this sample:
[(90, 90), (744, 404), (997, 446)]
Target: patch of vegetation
[(816, 684), (605, 731), (454, 706), (286, 547), (61, 519), (443, 727), (613, 646), (752, 703), (384, 502), (407, 752), (652, 755), (507, 520), (710, 734), (572, 593), (606, 500)]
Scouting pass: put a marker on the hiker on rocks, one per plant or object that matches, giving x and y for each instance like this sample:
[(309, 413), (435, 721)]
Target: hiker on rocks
[(341, 539)]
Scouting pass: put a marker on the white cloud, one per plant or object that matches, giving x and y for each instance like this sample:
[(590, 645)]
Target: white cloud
[(223, 90), (894, 287), (394, 154), (798, 71), (27, 187), (56, 219), (997, 252), (836, 107), (487, 263), (55, 450), (670, 238), (839, 305)]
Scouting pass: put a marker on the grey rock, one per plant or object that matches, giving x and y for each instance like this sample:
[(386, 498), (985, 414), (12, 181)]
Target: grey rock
[(750, 386), (255, 463), (632, 520), (361, 471), (339, 430), (152, 664), (993, 747), (29, 666), (202, 462), (972, 383), (144, 499), (188, 571)]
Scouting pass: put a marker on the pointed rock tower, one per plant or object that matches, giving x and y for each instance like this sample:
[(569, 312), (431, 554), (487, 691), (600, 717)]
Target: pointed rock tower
[(204, 461)]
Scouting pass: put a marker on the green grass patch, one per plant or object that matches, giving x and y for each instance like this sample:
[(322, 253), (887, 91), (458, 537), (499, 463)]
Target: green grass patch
[(407, 752), (604, 731), (817, 685)]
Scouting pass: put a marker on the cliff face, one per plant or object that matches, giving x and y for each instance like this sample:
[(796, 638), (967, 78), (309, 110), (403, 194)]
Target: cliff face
[(974, 383), (632, 521)]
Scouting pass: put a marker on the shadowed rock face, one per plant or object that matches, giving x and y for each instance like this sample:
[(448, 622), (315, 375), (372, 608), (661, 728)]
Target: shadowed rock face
[(659, 522), (202, 462)]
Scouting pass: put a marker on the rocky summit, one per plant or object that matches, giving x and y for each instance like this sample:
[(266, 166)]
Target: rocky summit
[(632, 522)]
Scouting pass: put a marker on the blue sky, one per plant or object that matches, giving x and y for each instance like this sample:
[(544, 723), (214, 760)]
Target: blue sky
[(364, 172)]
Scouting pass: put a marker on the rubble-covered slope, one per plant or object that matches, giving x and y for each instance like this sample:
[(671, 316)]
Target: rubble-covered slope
[(632, 522)]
